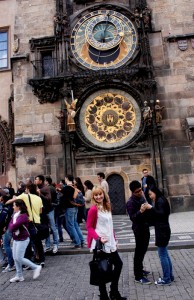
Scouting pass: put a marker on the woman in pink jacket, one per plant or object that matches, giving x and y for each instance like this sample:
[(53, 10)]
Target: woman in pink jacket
[(100, 225)]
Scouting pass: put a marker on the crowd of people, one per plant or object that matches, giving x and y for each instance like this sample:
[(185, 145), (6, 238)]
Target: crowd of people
[(43, 202)]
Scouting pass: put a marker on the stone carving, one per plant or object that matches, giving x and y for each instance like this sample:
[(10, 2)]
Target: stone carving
[(137, 17), (61, 24), (71, 112), (158, 110), (146, 14), (16, 44), (147, 113)]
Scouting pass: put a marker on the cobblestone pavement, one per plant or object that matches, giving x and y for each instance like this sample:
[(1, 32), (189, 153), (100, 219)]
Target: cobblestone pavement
[(181, 227), (66, 277)]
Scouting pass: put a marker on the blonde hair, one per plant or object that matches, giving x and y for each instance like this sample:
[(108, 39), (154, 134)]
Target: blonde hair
[(106, 205)]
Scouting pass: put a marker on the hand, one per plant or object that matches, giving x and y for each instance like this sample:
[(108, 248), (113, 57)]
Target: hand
[(103, 240), (143, 208)]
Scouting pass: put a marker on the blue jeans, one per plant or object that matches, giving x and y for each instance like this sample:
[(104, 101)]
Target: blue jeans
[(53, 227), (166, 264), (72, 226), (6, 243), (19, 249), (60, 222)]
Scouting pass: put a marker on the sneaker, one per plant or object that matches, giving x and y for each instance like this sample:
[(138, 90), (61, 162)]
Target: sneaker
[(83, 245), (42, 264), (47, 249), (55, 249), (8, 269), (143, 280), (146, 273), (36, 272), (17, 279), (160, 281), (26, 268)]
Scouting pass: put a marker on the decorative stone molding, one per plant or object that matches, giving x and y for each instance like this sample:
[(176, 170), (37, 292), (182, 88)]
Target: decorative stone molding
[(46, 90)]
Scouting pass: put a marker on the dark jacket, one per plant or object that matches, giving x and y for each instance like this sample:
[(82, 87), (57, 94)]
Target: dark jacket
[(21, 220), (66, 198), (161, 212), (140, 221)]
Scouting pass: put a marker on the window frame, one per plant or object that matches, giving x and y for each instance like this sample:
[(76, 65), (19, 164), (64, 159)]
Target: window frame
[(5, 30)]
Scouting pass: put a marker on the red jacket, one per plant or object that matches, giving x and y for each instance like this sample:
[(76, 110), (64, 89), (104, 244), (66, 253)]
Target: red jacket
[(91, 224)]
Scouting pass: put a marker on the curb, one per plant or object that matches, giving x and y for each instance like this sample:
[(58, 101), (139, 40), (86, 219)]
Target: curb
[(130, 248)]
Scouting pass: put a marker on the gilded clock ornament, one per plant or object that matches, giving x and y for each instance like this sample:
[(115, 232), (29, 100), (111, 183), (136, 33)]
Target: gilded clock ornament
[(104, 39), (110, 119)]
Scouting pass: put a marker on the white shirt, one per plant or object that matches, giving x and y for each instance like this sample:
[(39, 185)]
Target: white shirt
[(104, 228)]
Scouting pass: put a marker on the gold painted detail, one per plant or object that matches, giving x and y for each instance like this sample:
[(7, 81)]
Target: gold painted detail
[(110, 117)]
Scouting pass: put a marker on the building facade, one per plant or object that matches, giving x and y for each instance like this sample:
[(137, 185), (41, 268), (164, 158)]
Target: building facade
[(101, 86)]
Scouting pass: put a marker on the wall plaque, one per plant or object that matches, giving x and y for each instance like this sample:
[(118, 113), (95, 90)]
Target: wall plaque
[(182, 44)]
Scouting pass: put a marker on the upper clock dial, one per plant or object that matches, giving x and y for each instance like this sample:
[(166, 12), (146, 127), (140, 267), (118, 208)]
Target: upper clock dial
[(104, 39)]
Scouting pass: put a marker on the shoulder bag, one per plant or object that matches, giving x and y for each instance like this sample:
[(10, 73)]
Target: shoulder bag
[(101, 267)]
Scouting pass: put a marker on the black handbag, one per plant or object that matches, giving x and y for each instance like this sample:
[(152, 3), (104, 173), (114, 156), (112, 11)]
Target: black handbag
[(101, 268), (32, 230), (37, 230), (43, 231)]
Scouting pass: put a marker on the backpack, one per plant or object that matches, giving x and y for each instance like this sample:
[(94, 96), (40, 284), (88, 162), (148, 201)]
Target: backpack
[(4, 215), (78, 198)]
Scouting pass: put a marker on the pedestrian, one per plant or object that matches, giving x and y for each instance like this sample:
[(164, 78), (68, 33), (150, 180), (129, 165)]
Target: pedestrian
[(140, 227), (45, 195), (81, 215), (102, 181), (100, 225), (6, 212), (71, 211), (34, 207), (161, 212), (147, 181), (10, 188), (19, 228), (88, 186)]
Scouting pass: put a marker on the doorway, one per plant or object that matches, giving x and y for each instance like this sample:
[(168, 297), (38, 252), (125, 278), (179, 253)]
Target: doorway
[(117, 194)]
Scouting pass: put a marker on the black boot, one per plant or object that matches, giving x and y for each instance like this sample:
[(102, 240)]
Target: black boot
[(104, 296), (103, 292), (115, 295)]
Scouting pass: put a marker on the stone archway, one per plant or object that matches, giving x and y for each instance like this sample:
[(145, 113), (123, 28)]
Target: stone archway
[(117, 194)]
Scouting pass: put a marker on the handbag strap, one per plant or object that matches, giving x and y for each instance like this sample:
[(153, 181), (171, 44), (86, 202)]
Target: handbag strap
[(31, 207), (26, 229)]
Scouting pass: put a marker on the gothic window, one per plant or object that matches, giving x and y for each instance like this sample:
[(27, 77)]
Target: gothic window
[(47, 64), (3, 49)]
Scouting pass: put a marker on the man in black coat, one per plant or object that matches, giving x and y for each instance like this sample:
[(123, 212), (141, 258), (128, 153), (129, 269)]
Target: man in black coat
[(147, 181), (140, 226)]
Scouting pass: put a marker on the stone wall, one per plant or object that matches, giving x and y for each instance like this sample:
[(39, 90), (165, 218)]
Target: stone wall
[(34, 19), (174, 75), (129, 166)]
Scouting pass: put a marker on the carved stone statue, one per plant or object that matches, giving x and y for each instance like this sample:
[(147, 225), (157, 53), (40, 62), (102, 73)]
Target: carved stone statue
[(146, 17), (137, 17), (147, 112), (158, 110), (71, 112)]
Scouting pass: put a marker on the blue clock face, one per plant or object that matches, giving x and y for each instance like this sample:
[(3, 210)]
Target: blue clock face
[(104, 32), (104, 39)]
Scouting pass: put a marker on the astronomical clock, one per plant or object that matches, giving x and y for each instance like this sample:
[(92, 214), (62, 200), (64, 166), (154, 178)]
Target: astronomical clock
[(104, 39)]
